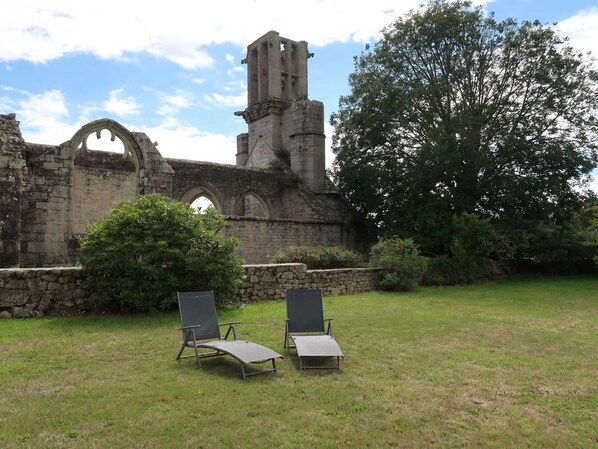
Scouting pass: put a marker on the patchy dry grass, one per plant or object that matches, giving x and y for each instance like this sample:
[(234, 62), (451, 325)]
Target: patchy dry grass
[(500, 365)]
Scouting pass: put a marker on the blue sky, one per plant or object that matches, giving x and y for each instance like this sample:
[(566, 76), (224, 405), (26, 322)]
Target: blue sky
[(175, 72)]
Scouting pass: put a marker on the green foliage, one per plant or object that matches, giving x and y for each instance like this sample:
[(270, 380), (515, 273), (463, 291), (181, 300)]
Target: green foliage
[(319, 257), (592, 237), (562, 248), (454, 111), (447, 270), (466, 260), (281, 168), (471, 236), (402, 266), (147, 249)]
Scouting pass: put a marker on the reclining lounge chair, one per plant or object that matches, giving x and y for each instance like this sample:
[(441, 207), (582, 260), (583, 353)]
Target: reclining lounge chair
[(201, 331), (306, 328)]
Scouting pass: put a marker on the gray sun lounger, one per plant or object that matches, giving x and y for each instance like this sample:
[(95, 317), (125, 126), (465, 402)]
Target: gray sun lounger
[(201, 331), (306, 329)]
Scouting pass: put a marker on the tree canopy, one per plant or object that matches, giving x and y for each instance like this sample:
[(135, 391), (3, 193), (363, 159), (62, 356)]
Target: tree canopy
[(454, 112)]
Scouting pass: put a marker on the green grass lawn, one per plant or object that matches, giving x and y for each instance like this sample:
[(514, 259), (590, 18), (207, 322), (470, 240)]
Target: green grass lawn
[(511, 364)]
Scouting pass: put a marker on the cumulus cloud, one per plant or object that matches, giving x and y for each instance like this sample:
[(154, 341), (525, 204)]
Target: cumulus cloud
[(119, 105), (115, 29), (582, 29), (179, 140), (171, 104), (216, 100), (44, 118)]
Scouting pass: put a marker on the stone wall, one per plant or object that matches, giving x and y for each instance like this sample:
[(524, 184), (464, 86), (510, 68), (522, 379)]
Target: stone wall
[(50, 193), (260, 239), (270, 281), (12, 167), (37, 292)]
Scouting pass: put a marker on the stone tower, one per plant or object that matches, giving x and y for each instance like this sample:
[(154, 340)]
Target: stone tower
[(280, 117)]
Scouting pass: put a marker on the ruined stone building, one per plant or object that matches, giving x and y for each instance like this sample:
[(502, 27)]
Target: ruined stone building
[(275, 196)]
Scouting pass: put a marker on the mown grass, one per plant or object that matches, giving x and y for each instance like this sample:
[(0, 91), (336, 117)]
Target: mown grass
[(511, 364)]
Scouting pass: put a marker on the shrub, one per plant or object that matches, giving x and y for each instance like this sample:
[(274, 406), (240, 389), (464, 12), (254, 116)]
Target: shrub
[(402, 266), (472, 236), (147, 249), (446, 270), (470, 245), (319, 257)]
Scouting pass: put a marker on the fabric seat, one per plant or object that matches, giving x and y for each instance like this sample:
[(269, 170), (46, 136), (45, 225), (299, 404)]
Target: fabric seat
[(201, 330), (307, 331)]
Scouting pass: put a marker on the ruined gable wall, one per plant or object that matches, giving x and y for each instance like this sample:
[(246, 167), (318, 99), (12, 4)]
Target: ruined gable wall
[(100, 181)]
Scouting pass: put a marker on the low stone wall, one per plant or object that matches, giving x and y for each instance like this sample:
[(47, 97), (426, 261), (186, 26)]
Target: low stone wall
[(36, 292), (271, 281)]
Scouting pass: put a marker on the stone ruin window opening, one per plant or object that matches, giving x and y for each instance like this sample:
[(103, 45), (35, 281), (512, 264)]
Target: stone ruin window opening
[(104, 141), (201, 204)]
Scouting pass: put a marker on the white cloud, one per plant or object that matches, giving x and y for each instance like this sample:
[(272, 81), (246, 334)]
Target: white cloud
[(44, 118), (183, 141), (236, 70), (216, 100), (40, 31), (171, 104), (582, 29), (118, 105)]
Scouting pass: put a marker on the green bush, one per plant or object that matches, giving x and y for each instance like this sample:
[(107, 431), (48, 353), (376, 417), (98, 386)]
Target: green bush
[(147, 249), (472, 236), (319, 257), (447, 270), (402, 266), (470, 245)]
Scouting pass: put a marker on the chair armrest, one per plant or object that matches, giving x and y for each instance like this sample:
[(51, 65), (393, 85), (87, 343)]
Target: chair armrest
[(229, 324), (231, 327)]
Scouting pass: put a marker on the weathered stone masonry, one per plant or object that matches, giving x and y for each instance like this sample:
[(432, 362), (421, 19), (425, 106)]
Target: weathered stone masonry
[(50, 193), (37, 292)]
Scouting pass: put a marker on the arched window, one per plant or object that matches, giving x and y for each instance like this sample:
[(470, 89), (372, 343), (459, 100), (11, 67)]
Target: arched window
[(202, 203), (204, 197), (104, 141)]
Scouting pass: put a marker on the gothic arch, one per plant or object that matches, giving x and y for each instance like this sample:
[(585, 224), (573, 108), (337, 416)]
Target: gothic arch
[(132, 151), (92, 194), (250, 204), (191, 195)]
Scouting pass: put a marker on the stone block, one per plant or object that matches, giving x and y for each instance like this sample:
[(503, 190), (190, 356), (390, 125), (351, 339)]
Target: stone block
[(22, 312), (13, 298), (54, 286)]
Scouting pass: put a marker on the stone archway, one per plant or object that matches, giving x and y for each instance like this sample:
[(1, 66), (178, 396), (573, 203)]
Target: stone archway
[(251, 205), (203, 191)]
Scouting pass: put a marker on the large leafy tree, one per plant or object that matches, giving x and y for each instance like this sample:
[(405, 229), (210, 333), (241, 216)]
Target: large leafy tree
[(454, 112)]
